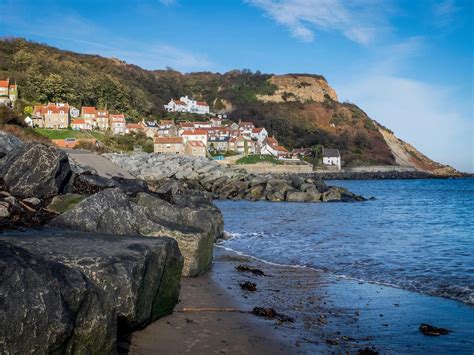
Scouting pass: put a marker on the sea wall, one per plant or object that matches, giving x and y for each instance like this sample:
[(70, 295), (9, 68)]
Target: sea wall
[(263, 168)]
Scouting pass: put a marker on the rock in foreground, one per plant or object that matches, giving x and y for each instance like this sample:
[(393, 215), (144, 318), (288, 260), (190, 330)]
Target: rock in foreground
[(112, 211), (65, 292), (36, 170)]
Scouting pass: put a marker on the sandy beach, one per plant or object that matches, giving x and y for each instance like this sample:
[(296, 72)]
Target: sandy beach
[(330, 315)]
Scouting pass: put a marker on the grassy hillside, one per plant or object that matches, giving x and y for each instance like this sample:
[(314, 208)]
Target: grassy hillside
[(300, 110)]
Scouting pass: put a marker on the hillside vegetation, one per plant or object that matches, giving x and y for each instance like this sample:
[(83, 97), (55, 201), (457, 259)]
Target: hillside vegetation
[(299, 109)]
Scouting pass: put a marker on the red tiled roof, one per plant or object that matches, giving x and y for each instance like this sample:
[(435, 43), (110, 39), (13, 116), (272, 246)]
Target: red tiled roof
[(196, 144), (4, 83), (168, 140), (280, 148), (186, 124), (88, 110), (166, 122), (13, 86), (118, 118), (43, 109), (195, 132), (257, 130), (178, 102), (202, 103), (134, 126), (78, 121), (272, 141)]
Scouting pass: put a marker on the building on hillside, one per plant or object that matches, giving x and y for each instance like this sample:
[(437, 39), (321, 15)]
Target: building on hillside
[(332, 157), (185, 104), (89, 114), (259, 134), (218, 144), (134, 128), (195, 135), (102, 120), (216, 122), (79, 124), (117, 124), (195, 148), (168, 145), (205, 124), (234, 126), (8, 93), (167, 128), (52, 116)]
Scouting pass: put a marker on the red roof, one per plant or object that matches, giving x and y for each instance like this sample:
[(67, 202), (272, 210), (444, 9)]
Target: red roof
[(178, 102), (4, 83), (166, 122), (257, 130), (202, 103), (168, 140), (196, 144), (280, 148), (244, 123), (54, 108), (272, 141), (78, 121), (186, 124), (195, 132), (88, 110)]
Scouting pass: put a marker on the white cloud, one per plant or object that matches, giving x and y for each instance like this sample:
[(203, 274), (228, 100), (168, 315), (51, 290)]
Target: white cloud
[(358, 20)]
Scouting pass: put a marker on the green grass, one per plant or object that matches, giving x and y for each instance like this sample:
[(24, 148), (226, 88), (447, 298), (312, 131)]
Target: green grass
[(67, 133), (254, 159)]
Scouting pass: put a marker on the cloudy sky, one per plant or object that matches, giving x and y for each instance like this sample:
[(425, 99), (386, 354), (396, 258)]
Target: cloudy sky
[(408, 64)]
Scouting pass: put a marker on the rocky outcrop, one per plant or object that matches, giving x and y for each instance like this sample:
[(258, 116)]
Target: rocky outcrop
[(194, 224), (36, 170), (67, 292), (222, 182), (302, 88)]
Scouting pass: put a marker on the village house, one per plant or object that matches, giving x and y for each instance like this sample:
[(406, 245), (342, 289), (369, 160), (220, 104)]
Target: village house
[(216, 122), (241, 145), (195, 135), (185, 104), (167, 128), (8, 93), (134, 128), (260, 134), (272, 147), (52, 115), (332, 157), (219, 144), (301, 153), (102, 120), (195, 148), (88, 114), (205, 124), (168, 145), (79, 124), (117, 124)]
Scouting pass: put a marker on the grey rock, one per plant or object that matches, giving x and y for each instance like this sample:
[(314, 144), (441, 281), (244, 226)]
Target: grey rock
[(36, 170), (194, 223), (62, 203), (75, 291), (8, 142)]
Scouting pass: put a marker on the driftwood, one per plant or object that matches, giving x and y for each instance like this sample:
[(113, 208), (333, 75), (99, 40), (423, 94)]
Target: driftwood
[(24, 205)]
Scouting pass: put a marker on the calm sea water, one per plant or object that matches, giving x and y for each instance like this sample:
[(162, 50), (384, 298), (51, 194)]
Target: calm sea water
[(417, 234)]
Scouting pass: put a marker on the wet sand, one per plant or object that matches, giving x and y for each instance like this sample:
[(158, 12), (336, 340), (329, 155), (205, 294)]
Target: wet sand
[(331, 315)]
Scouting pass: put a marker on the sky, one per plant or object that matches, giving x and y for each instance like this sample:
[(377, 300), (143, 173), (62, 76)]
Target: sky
[(408, 64)]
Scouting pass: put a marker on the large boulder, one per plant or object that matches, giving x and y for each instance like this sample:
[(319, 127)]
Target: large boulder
[(66, 292), (36, 170), (112, 211), (49, 307)]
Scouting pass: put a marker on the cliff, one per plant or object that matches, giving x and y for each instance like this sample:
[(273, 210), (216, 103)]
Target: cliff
[(299, 109)]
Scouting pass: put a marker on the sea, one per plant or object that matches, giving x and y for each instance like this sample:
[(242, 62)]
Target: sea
[(415, 235)]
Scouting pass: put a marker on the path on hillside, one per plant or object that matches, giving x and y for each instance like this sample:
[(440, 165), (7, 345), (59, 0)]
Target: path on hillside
[(103, 166)]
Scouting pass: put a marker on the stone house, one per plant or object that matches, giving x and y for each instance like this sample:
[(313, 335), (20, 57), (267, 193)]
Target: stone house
[(52, 115), (195, 148), (220, 144), (185, 104), (195, 135), (168, 145)]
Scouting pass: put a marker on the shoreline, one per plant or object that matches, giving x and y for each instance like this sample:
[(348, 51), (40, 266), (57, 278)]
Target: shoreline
[(331, 314)]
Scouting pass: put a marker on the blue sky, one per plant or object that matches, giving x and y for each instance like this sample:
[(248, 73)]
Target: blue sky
[(408, 64)]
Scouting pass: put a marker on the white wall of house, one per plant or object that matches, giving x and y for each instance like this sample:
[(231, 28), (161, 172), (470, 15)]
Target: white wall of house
[(332, 161)]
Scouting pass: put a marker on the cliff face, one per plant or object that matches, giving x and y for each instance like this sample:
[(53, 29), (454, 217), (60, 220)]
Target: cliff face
[(302, 88)]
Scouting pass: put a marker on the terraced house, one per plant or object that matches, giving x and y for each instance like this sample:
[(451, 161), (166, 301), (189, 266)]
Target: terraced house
[(52, 115), (8, 93)]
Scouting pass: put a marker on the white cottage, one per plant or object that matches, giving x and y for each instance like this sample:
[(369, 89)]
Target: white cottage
[(332, 157), (185, 104)]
